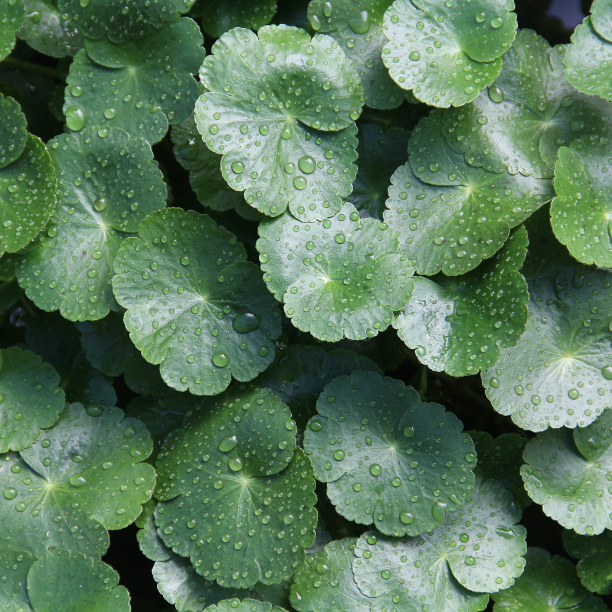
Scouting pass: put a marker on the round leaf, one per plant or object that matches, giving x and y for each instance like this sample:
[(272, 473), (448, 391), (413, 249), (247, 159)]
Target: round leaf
[(62, 491), (531, 110), (568, 474), (477, 550), (589, 61), (459, 324), (246, 605), (242, 506), (548, 584), (204, 315), (325, 583), (379, 154), (357, 26), (27, 195), (559, 373), (108, 183), (580, 214), (595, 553), (220, 16), (601, 16), (278, 119), (30, 399), (121, 21), (473, 35), (342, 277), (450, 215), (13, 132), (14, 568), (46, 30), (388, 458), (71, 582), (127, 85), (12, 12)]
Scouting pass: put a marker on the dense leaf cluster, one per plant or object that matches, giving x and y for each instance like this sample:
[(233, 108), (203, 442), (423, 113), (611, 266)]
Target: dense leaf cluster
[(405, 203)]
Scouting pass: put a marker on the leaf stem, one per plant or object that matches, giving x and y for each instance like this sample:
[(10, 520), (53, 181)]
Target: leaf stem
[(30, 67)]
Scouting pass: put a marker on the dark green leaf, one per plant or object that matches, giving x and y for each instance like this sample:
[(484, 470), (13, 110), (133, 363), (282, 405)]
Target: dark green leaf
[(13, 14), (219, 16), (595, 553)]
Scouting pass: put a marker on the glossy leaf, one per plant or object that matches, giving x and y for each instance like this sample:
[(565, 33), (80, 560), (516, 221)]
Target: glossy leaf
[(385, 454), (357, 26), (560, 371), (108, 183), (548, 584), (521, 120), (57, 492), (219, 16), (30, 399), (13, 14), (450, 215), (595, 553), (580, 212), (473, 35), (246, 605), (460, 324), (13, 131), (249, 514), (427, 570), (126, 85), (342, 277), (95, 18), (14, 568), (226, 319), (284, 120), (567, 474)]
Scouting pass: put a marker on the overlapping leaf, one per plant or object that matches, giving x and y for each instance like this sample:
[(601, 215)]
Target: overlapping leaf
[(389, 459), (476, 551), (530, 110), (242, 506), (568, 474), (12, 15), (220, 16), (203, 314), (108, 183), (121, 21), (460, 324), (581, 212), (450, 215), (280, 108), (357, 26), (547, 584), (341, 277), (595, 553), (30, 399), (560, 371), (446, 52), (127, 85)]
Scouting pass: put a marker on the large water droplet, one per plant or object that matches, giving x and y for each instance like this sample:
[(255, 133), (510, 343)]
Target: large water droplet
[(246, 322), (228, 443), (220, 359)]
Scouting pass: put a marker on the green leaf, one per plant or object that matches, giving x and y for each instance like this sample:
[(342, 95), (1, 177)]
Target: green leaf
[(13, 14), (380, 152), (531, 110), (460, 324), (249, 514), (601, 16), (501, 459), (580, 212), (71, 582), (214, 297), (428, 570), (151, 545), (10, 292), (109, 182), (342, 277), (301, 372), (450, 215), (325, 583), (30, 399), (46, 30), (246, 605), (595, 553), (14, 568), (95, 18), (127, 85), (548, 584), (588, 60), (357, 26), (219, 16), (283, 144), (474, 35), (400, 471), (65, 489), (27, 191), (13, 131), (560, 371), (567, 474)]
